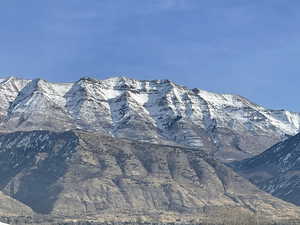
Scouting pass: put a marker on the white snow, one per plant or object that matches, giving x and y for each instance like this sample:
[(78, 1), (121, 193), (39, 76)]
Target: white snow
[(61, 88), (226, 108), (284, 120), (140, 98), (111, 93), (221, 99), (158, 103)]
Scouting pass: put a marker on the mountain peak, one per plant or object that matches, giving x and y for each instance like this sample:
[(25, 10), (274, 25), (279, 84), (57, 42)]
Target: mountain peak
[(146, 108), (86, 78)]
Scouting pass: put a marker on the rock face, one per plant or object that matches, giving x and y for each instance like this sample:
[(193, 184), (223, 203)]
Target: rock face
[(79, 174), (277, 170), (12, 207), (159, 111)]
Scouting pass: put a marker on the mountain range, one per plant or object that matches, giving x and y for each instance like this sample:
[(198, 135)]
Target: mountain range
[(160, 111), (277, 170), (86, 176), (121, 149)]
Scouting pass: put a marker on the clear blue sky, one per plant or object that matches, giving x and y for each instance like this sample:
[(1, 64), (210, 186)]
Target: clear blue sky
[(247, 47)]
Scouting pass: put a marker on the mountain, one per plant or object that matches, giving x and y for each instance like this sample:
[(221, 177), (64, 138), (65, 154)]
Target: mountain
[(79, 175), (230, 127), (12, 207), (277, 170)]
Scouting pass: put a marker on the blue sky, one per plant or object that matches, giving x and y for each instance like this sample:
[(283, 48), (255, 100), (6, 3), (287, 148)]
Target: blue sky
[(251, 48)]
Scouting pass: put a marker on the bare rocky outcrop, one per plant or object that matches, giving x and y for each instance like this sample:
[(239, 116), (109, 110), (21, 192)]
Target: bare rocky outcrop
[(78, 175), (12, 207)]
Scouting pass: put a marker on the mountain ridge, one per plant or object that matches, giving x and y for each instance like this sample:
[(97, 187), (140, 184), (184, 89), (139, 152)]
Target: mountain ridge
[(276, 170), (131, 149), (156, 111), (100, 176)]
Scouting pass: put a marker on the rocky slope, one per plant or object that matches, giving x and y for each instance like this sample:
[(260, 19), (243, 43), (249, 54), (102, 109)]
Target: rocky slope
[(277, 170), (12, 207), (84, 175), (159, 111)]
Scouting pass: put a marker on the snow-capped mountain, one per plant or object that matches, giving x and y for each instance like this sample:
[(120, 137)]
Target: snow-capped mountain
[(229, 126)]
